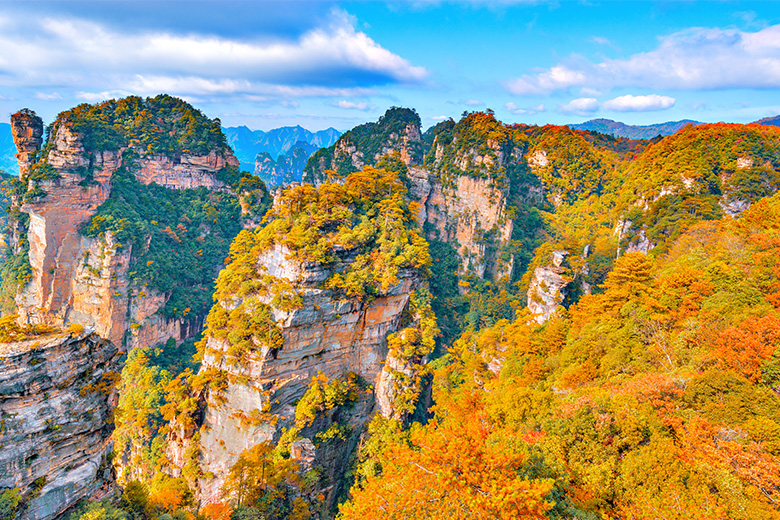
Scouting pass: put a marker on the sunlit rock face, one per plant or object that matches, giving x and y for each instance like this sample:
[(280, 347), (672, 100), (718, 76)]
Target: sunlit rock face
[(56, 401), (77, 279), (327, 335)]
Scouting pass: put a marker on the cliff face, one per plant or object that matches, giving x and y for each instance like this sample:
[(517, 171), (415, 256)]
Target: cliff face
[(77, 279), (457, 186), (56, 396), (27, 133), (326, 334)]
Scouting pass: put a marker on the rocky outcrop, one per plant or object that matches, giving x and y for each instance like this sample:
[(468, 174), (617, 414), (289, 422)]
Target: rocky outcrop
[(546, 290), (325, 334), (56, 397), (76, 279), (27, 132), (472, 217)]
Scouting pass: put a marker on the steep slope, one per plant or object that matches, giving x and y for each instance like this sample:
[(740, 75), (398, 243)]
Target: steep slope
[(656, 398), (329, 287), (700, 173), (56, 396), (98, 236)]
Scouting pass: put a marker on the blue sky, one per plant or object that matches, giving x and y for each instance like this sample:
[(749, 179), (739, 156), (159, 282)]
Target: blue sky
[(321, 63)]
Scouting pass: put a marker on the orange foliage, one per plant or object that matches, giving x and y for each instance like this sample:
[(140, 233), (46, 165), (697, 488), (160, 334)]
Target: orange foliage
[(450, 471), (746, 347), (217, 511)]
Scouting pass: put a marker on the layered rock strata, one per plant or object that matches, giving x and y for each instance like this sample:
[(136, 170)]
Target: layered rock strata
[(76, 279), (327, 335), (56, 400)]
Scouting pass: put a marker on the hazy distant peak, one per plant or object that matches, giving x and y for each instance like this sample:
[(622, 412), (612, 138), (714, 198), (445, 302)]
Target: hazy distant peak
[(619, 129)]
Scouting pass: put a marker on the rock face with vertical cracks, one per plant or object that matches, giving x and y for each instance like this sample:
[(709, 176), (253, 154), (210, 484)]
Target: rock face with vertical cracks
[(77, 279), (324, 334), (56, 397)]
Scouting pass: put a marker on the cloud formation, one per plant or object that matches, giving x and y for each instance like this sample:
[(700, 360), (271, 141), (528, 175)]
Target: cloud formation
[(693, 59), (529, 111), (628, 103), (71, 53), (349, 105), (631, 103)]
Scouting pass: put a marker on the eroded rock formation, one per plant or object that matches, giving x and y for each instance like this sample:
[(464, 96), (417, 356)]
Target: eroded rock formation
[(56, 400), (76, 279), (327, 335)]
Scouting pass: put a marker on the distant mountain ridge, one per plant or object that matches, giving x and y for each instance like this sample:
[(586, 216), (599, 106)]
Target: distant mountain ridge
[(248, 144), (286, 168), (618, 129), (769, 121)]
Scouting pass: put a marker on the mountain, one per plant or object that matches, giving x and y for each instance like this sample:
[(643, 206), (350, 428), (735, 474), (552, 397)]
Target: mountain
[(287, 168), (247, 144), (772, 120), (7, 150), (618, 129), (483, 320)]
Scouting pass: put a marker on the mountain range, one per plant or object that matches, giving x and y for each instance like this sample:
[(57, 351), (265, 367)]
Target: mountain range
[(247, 144), (618, 129)]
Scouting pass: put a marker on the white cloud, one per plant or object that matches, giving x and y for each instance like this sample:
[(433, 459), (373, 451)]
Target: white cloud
[(631, 103), (580, 106), (628, 103), (693, 59), (440, 118), (512, 107), (559, 77), (473, 103), (349, 105), (74, 53), (48, 96)]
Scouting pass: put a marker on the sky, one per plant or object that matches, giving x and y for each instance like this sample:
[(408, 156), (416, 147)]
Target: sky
[(323, 63)]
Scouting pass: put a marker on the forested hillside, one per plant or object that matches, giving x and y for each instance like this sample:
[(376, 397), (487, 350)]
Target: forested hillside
[(480, 320)]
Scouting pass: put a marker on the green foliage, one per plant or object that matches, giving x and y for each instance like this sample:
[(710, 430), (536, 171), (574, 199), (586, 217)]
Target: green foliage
[(10, 499), (575, 168), (323, 395), (102, 510), (159, 125), (178, 237), (370, 140), (476, 134)]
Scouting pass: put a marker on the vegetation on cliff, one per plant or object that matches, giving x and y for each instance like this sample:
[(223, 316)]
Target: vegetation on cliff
[(367, 143), (664, 385), (160, 125), (367, 218), (178, 237)]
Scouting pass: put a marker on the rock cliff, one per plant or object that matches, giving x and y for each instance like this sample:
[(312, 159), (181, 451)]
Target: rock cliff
[(288, 310), (326, 335), (56, 397), (78, 279)]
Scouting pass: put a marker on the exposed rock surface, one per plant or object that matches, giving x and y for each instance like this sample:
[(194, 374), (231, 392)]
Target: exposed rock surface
[(83, 280), (56, 396), (546, 290), (326, 334), (27, 132)]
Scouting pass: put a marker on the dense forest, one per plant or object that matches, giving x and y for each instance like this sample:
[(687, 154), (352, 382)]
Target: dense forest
[(652, 391)]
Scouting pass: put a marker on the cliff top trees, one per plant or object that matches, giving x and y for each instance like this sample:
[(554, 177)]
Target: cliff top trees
[(158, 125)]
